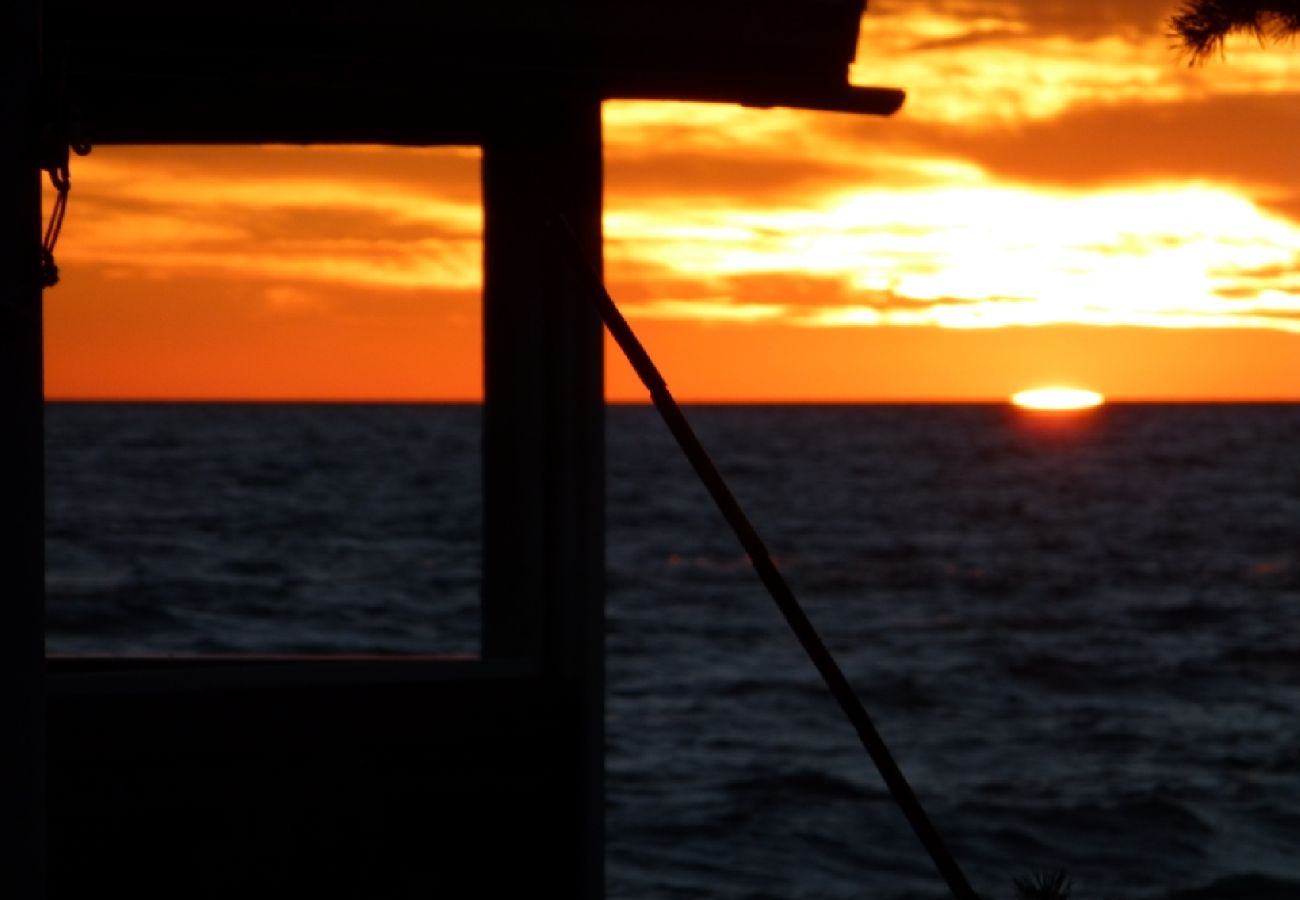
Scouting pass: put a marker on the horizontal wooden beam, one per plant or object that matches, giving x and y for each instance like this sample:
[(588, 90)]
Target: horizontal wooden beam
[(125, 112), (428, 72)]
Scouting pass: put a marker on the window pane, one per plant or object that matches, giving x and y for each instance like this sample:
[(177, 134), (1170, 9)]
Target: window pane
[(264, 373)]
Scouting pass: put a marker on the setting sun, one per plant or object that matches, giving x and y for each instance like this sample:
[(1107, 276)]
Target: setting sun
[(1057, 398), (1018, 221)]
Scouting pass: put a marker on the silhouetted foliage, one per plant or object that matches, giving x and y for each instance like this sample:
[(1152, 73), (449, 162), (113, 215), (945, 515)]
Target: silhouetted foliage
[(1200, 26), (1050, 885)]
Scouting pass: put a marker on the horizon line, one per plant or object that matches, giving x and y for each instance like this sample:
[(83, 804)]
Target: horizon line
[(626, 401)]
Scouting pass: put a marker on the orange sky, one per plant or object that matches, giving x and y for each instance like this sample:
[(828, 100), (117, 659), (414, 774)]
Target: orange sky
[(1061, 200)]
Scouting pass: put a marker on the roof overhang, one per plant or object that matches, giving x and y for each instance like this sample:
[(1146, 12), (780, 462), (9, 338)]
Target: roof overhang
[(430, 71)]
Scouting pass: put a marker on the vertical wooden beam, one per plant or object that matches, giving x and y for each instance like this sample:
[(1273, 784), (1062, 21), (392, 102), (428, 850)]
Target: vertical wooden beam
[(22, 480), (543, 591)]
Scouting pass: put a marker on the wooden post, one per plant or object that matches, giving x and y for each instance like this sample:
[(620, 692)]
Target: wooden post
[(543, 555), (22, 481)]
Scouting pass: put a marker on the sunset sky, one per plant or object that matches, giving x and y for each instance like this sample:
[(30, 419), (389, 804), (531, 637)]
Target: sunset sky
[(1061, 200)]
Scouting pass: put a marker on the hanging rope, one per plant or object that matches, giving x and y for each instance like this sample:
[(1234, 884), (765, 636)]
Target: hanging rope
[(771, 577), (61, 180)]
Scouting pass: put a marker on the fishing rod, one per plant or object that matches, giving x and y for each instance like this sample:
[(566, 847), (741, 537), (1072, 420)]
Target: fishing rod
[(768, 573)]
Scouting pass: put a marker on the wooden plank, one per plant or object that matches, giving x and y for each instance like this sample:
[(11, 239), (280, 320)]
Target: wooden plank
[(544, 442), (22, 540)]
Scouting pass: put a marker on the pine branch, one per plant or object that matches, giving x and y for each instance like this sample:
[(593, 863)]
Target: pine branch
[(1050, 885), (1201, 26)]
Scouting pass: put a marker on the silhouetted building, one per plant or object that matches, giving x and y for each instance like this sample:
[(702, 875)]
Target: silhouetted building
[(367, 778)]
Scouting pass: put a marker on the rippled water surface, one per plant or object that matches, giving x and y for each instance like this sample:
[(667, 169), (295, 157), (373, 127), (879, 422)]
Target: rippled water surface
[(1081, 635)]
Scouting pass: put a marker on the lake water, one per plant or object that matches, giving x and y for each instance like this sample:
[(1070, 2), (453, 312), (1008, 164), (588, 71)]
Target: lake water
[(1080, 635)]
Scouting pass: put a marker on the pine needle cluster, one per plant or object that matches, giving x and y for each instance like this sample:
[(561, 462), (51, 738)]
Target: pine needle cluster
[(1200, 26), (1051, 885)]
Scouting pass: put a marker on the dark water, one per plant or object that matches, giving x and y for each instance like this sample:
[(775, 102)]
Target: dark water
[(1081, 637), (224, 528)]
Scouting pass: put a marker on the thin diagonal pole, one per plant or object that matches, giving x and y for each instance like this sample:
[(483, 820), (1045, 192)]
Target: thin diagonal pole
[(768, 573)]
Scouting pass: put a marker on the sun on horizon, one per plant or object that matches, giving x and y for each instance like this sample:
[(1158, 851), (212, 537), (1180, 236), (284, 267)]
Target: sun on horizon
[(1057, 399)]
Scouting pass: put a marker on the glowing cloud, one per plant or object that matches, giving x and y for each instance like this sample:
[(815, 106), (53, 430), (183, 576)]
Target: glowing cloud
[(1055, 166), (137, 212), (984, 254), (989, 63)]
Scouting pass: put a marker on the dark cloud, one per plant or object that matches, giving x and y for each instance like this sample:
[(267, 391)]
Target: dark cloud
[(798, 292), (1097, 19), (449, 172), (1242, 138), (307, 224), (1252, 293), (1234, 139), (1084, 21), (978, 38), (718, 173), (832, 153), (642, 282), (108, 203), (791, 289), (1248, 139), (1286, 205), (286, 223), (1269, 273), (889, 302)]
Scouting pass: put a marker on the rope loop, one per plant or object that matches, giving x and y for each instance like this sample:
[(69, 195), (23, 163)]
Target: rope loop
[(61, 180), (60, 177), (49, 269)]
